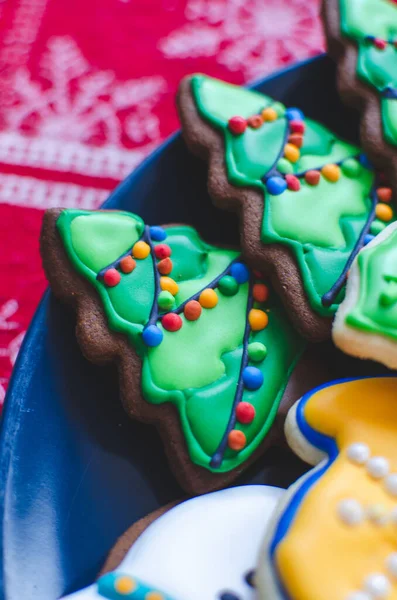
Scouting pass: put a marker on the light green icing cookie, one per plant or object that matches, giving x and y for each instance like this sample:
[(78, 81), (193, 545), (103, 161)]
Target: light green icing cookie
[(198, 367)]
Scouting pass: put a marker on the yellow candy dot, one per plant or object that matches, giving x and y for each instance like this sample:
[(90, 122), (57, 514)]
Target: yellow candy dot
[(154, 596), (257, 319), (141, 250), (125, 585), (208, 298), (291, 153), (331, 172), (384, 212), (269, 114), (169, 285)]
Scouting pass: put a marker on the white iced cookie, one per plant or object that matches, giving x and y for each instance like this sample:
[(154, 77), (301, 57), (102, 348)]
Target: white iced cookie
[(203, 549)]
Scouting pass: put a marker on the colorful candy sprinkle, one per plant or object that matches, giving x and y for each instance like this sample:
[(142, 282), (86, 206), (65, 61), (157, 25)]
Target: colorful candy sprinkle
[(296, 139), (192, 310), (384, 212), (257, 351), (291, 153), (312, 177), (236, 440), (127, 264), (237, 125), (111, 277), (269, 114), (164, 266), (162, 251), (365, 162), (376, 227), (279, 108), (255, 122), (380, 44), (252, 378), (258, 319), (171, 322), (351, 167), (260, 292), (294, 114), (228, 286), (158, 234), (384, 194), (124, 585), (169, 285), (297, 127), (141, 250), (208, 298), (154, 596), (293, 183), (240, 272), (368, 238), (284, 166), (245, 413), (276, 185), (165, 300), (152, 336), (331, 172)]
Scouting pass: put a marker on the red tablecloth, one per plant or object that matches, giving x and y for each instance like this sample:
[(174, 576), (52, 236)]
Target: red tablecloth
[(87, 90)]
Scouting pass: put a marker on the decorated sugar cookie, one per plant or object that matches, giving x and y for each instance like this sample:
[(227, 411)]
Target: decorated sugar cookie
[(335, 531), (203, 345), (306, 199), (366, 322), (362, 36), (203, 548)]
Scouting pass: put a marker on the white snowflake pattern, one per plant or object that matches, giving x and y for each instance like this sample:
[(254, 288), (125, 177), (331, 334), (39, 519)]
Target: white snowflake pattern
[(8, 310), (73, 102), (251, 36)]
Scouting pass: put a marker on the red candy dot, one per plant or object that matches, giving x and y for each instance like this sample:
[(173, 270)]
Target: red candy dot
[(245, 412), (111, 277), (293, 183), (237, 125), (380, 44), (162, 251), (171, 322), (297, 127), (255, 122), (296, 139), (192, 310), (260, 292), (312, 177), (165, 266), (127, 264)]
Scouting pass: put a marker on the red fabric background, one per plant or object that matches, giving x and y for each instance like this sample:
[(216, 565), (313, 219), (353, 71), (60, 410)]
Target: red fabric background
[(87, 90)]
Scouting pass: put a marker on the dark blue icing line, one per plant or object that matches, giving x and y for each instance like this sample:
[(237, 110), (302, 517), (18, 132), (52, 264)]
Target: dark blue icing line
[(217, 457), (273, 170), (154, 311), (330, 296), (389, 93)]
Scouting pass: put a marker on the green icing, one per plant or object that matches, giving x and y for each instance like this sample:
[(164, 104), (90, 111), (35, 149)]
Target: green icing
[(376, 308), (196, 368), (376, 67), (296, 220)]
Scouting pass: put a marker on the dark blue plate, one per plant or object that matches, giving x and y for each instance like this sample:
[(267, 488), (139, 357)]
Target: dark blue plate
[(75, 472)]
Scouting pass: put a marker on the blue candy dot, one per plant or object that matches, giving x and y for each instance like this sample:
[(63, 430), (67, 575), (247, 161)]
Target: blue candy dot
[(294, 114), (365, 162), (240, 272), (158, 234), (152, 336), (368, 238), (252, 378), (276, 185), (228, 596)]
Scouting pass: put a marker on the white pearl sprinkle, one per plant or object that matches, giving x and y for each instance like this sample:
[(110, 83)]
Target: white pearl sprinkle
[(377, 585), (391, 484), (391, 564), (359, 596), (378, 467), (350, 511), (358, 453), (377, 513)]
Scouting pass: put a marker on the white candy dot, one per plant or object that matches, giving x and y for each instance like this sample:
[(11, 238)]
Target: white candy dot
[(377, 585), (350, 511), (358, 453), (359, 596), (377, 513), (391, 484), (378, 467), (391, 564)]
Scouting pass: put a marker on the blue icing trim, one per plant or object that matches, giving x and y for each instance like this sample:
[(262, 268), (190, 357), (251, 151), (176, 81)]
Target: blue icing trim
[(119, 586)]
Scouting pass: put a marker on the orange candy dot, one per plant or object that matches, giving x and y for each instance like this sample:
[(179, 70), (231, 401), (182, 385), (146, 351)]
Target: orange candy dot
[(291, 153), (141, 250), (260, 292), (192, 310), (331, 173), (255, 122), (257, 319), (208, 298), (269, 114), (384, 212), (164, 266), (127, 264), (384, 194), (236, 439), (169, 285), (125, 585)]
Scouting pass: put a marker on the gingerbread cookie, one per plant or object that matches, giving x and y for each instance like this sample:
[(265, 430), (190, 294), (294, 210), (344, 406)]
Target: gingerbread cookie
[(203, 548), (203, 345), (362, 37), (366, 321), (334, 533), (306, 199)]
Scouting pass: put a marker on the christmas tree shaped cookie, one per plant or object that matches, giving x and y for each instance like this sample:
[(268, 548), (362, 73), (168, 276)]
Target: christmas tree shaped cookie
[(203, 345), (307, 200), (362, 36), (334, 536)]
